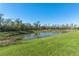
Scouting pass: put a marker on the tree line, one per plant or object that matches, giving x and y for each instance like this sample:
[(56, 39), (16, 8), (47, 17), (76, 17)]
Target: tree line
[(18, 25)]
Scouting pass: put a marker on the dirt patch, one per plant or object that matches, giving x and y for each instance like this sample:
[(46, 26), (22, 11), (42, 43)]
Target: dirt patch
[(8, 40)]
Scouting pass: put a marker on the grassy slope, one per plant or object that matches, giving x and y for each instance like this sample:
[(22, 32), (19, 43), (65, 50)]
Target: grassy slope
[(4, 35), (63, 44)]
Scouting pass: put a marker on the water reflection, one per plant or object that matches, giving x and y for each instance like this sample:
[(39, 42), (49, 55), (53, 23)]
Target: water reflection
[(40, 35)]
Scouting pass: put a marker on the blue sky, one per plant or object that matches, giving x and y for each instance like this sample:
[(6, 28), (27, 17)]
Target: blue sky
[(52, 13)]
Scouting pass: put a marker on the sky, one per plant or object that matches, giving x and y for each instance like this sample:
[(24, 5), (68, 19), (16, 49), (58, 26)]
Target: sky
[(46, 13)]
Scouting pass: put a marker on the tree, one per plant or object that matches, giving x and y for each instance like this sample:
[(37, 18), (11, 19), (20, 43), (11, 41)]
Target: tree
[(1, 21), (18, 24), (37, 25)]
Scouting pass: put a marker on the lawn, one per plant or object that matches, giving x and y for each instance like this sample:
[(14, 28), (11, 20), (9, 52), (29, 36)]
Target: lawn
[(66, 44)]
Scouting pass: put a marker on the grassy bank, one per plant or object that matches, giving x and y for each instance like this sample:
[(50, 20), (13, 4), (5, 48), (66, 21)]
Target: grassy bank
[(4, 35), (64, 44)]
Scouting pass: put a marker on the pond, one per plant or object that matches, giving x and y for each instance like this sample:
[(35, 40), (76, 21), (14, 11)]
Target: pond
[(39, 35), (12, 40)]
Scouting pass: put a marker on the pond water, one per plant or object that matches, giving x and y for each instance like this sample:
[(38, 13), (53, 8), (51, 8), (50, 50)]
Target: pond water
[(40, 35)]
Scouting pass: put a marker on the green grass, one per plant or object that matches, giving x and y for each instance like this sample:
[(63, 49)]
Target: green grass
[(4, 35), (60, 45)]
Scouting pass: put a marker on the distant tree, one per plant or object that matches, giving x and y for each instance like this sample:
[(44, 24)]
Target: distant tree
[(18, 24), (1, 21), (37, 25)]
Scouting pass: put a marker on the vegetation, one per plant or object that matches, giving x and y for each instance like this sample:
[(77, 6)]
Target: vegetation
[(7, 25), (63, 44), (59, 45)]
